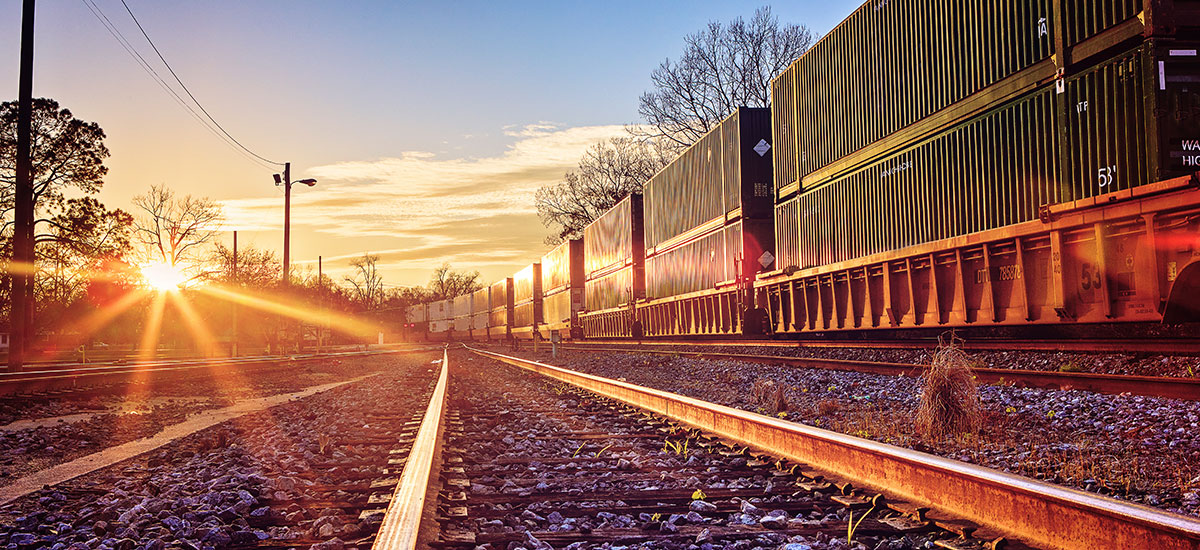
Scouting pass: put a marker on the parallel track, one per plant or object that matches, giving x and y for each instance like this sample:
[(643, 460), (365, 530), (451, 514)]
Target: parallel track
[(1156, 386), (75, 378)]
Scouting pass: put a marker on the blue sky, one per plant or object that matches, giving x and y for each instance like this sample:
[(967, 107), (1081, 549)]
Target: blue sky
[(384, 102)]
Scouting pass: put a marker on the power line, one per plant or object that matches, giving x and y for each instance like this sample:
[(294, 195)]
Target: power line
[(149, 69), (189, 92)]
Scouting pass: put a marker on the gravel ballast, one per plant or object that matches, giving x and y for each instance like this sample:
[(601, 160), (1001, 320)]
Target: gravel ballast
[(1136, 448), (284, 474)]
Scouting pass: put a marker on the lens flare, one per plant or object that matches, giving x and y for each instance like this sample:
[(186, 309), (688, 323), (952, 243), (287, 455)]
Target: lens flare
[(163, 277)]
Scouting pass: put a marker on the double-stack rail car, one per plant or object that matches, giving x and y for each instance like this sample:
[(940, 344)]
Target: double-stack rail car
[(1020, 174), (709, 231), (480, 311), (501, 310), (527, 301), (614, 271), (1033, 166), (562, 290)]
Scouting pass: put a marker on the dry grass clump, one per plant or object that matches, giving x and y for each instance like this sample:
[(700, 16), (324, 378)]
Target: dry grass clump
[(769, 396), (949, 397), (826, 407)]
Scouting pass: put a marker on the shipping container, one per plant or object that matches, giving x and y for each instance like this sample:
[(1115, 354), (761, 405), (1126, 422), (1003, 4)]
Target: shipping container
[(480, 311), (527, 298), (501, 300), (440, 310), (615, 289), (783, 130), (461, 306), (1125, 123), (874, 84), (709, 211), (616, 238), (562, 285), (614, 256)]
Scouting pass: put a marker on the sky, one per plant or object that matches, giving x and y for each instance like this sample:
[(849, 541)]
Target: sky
[(428, 125)]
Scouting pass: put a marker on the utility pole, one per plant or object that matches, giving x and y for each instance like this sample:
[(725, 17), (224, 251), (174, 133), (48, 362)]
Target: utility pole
[(321, 303), (287, 223), (233, 348), (21, 314)]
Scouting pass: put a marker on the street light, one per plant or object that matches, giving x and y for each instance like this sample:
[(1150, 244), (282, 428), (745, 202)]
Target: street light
[(286, 182)]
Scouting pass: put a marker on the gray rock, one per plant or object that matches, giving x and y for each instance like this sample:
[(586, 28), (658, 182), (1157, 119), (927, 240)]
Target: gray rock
[(702, 506)]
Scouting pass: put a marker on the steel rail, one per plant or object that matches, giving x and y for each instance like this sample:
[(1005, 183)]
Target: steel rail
[(1031, 511), (404, 524), (1154, 386), (1161, 346), (57, 379)]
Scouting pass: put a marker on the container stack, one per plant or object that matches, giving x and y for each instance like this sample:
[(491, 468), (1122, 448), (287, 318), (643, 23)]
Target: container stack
[(614, 264), (501, 300), (885, 142), (709, 211), (562, 287), (462, 317), (527, 300), (480, 310), (440, 319)]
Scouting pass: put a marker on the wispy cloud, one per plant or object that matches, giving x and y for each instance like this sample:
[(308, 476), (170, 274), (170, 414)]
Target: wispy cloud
[(473, 212)]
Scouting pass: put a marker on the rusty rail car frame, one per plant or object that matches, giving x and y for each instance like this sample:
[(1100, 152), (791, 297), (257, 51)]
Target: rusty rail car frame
[(1155, 386), (1029, 510), (1107, 345)]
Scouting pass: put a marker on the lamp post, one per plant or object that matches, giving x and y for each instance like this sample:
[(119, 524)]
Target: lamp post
[(286, 182)]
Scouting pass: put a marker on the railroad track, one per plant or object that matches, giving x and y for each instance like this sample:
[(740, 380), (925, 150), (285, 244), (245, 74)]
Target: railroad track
[(55, 380), (1156, 386), (1159, 346), (581, 427), (296, 474)]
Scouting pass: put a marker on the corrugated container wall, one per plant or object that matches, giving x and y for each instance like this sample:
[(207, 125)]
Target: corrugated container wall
[(614, 256), (697, 265), (1128, 122), (783, 127), (440, 310), (688, 192), (892, 63), (501, 302), (462, 305), (615, 237), (527, 296), (562, 283), (480, 309)]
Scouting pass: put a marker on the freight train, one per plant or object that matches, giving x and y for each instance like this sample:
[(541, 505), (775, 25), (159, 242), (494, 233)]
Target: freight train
[(927, 164)]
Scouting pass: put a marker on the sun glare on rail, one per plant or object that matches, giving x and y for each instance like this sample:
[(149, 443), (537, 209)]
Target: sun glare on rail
[(163, 277)]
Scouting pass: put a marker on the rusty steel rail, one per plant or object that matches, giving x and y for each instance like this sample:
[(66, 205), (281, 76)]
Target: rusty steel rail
[(1155, 386), (1031, 511), (1178, 346), (404, 524), (68, 379)]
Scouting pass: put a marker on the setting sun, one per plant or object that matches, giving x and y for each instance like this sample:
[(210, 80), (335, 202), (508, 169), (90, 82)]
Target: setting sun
[(163, 276)]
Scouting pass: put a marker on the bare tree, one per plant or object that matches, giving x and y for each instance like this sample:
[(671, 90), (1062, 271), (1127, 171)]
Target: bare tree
[(257, 268), (607, 172), (446, 283), (172, 229), (722, 68), (366, 285)]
